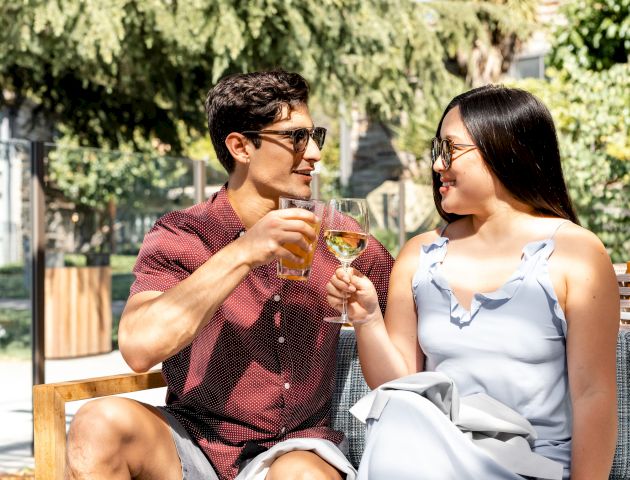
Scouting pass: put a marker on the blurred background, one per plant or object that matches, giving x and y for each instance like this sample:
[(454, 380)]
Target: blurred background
[(107, 98)]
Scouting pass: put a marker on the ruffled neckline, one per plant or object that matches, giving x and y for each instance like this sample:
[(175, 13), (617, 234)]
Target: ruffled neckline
[(460, 316)]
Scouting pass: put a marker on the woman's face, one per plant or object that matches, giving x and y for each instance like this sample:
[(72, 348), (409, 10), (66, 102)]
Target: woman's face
[(468, 186)]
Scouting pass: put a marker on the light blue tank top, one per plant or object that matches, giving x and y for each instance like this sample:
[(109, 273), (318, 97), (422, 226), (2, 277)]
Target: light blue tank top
[(510, 345)]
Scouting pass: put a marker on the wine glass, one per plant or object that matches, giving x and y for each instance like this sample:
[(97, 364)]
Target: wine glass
[(346, 234)]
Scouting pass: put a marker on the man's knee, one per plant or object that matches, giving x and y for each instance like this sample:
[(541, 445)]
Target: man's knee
[(103, 419), (97, 433), (302, 465)]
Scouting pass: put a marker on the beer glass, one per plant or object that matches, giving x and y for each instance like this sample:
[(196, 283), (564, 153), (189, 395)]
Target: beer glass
[(300, 270)]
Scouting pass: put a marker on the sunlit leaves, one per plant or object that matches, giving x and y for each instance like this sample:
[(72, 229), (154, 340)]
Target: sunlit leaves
[(592, 113), (596, 34), (107, 70)]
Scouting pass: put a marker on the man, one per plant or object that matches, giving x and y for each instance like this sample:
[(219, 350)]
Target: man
[(248, 360)]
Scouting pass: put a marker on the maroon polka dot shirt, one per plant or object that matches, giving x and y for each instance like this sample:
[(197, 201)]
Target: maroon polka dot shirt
[(263, 368)]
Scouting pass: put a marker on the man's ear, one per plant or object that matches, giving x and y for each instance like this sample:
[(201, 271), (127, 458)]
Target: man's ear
[(239, 146)]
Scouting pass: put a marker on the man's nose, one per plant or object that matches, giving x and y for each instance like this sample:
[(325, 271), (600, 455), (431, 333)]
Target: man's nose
[(312, 152)]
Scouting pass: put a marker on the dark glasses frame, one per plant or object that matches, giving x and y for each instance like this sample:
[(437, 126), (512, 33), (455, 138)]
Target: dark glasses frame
[(445, 147), (299, 136)]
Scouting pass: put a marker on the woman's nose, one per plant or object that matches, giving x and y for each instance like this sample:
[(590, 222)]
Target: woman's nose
[(438, 165)]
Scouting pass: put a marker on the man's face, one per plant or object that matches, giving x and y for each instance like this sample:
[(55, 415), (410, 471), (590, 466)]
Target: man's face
[(274, 168)]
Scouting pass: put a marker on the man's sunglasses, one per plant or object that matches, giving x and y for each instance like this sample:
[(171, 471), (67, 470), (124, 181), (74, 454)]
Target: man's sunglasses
[(299, 136), (445, 148)]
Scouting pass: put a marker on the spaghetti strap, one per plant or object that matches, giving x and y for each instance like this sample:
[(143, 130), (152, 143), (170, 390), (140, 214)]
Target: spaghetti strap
[(444, 229), (553, 234)]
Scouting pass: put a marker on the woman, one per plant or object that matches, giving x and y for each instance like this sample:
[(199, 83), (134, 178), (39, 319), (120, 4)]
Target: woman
[(540, 340)]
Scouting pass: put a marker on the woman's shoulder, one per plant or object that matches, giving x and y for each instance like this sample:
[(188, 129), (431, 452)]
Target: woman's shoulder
[(579, 252), (425, 238), (574, 239), (410, 252)]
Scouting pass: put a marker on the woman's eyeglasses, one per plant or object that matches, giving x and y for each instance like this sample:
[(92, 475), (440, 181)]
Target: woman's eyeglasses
[(445, 148), (299, 136)]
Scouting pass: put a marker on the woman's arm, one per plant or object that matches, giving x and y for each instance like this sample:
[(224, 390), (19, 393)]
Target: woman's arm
[(388, 349), (592, 311)]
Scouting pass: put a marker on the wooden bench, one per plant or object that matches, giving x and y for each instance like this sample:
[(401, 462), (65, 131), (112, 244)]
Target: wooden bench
[(50, 399)]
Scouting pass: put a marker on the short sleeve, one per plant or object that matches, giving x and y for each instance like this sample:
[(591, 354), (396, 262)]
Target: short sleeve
[(165, 257)]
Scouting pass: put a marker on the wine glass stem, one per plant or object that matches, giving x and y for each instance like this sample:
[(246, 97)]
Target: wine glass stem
[(344, 304)]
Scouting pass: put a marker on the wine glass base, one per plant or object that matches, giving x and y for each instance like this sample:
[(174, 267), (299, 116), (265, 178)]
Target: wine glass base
[(336, 320)]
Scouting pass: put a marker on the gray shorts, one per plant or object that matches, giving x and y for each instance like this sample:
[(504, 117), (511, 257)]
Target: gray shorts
[(196, 466)]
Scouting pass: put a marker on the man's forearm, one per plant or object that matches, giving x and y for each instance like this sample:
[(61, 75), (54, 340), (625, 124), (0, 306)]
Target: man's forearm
[(154, 329)]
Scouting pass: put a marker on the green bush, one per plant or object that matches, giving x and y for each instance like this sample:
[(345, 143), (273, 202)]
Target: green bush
[(590, 110), (389, 239), (12, 268), (12, 283), (121, 282), (15, 329)]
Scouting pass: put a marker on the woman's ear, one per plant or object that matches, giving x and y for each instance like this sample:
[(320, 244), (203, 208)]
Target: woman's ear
[(238, 145)]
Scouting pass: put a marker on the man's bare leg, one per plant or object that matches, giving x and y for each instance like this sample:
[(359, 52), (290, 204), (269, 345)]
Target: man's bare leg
[(302, 465), (118, 438)]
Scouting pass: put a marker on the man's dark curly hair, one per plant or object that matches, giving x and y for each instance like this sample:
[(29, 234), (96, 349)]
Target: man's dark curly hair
[(250, 101)]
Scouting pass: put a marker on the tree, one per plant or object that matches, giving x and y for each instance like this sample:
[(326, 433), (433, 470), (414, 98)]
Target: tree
[(100, 182), (589, 109), (127, 74), (588, 93), (596, 35), (113, 72)]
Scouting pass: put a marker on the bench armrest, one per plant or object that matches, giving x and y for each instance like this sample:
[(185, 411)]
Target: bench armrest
[(49, 413)]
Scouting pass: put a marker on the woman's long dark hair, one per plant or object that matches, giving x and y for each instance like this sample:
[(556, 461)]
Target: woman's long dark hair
[(516, 137)]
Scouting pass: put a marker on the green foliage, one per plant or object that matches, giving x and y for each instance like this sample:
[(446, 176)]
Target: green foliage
[(15, 329), (12, 284), (12, 268), (99, 182), (596, 35), (590, 110), (93, 178), (121, 283), (115, 324), (115, 72), (389, 239), (461, 26)]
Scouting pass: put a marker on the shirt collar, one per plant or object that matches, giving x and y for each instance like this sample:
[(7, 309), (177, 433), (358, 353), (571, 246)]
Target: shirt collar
[(220, 208)]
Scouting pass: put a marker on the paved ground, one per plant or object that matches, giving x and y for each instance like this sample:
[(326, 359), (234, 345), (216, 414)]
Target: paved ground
[(16, 419)]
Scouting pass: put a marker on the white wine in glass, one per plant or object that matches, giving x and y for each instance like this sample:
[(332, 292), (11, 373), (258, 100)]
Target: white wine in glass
[(347, 229)]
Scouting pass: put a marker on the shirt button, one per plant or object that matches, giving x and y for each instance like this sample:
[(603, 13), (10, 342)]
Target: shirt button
[(287, 386), (280, 339), (241, 233), (276, 297)]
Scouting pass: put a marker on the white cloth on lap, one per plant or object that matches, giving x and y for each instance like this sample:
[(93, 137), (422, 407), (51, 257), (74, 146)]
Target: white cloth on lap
[(500, 437), (258, 468)]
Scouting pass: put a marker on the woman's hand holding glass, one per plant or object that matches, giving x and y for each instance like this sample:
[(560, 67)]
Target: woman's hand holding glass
[(357, 291), (347, 236)]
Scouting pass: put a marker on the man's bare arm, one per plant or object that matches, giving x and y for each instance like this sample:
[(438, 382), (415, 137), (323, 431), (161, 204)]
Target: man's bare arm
[(156, 325)]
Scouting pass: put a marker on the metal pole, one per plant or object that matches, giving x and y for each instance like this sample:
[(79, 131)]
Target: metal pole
[(345, 150), (402, 234), (38, 231), (386, 211), (37, 254), (199, 180)]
